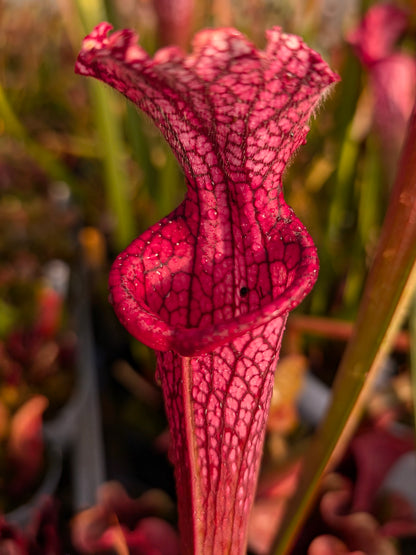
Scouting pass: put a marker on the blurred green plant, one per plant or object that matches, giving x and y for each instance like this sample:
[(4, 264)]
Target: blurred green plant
[(12, 126), (109, 136)]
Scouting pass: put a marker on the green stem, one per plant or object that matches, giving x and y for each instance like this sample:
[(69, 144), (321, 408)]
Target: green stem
[(343, 187), (370, 194), (108, 127), (369, 198), (386, 298), (115, 173), (340, 200)]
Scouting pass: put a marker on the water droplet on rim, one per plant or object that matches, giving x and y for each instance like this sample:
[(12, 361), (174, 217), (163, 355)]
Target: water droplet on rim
[(212, 214)]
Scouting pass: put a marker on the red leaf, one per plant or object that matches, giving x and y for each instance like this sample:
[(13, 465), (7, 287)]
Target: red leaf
[(119, 523), (25, 449), (375, 450), (375, 37), (174, 20), (392, 74)]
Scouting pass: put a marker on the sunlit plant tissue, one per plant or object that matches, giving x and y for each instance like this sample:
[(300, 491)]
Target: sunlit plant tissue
[(210, 286)]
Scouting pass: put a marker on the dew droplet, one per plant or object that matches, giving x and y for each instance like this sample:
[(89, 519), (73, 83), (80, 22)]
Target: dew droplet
[(212, 214)]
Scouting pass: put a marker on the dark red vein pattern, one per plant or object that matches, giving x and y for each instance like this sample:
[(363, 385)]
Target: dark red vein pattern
[(210, 286)]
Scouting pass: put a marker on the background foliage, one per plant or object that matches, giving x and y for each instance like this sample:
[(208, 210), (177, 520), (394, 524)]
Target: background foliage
[(81, 174)]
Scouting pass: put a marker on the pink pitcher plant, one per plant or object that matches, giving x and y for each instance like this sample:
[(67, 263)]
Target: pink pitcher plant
[(391, 74), (210, 286)]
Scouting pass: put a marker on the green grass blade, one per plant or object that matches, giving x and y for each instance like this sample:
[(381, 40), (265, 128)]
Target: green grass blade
[(109, 130), (343, 186), (115, 174), (388, 292)]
